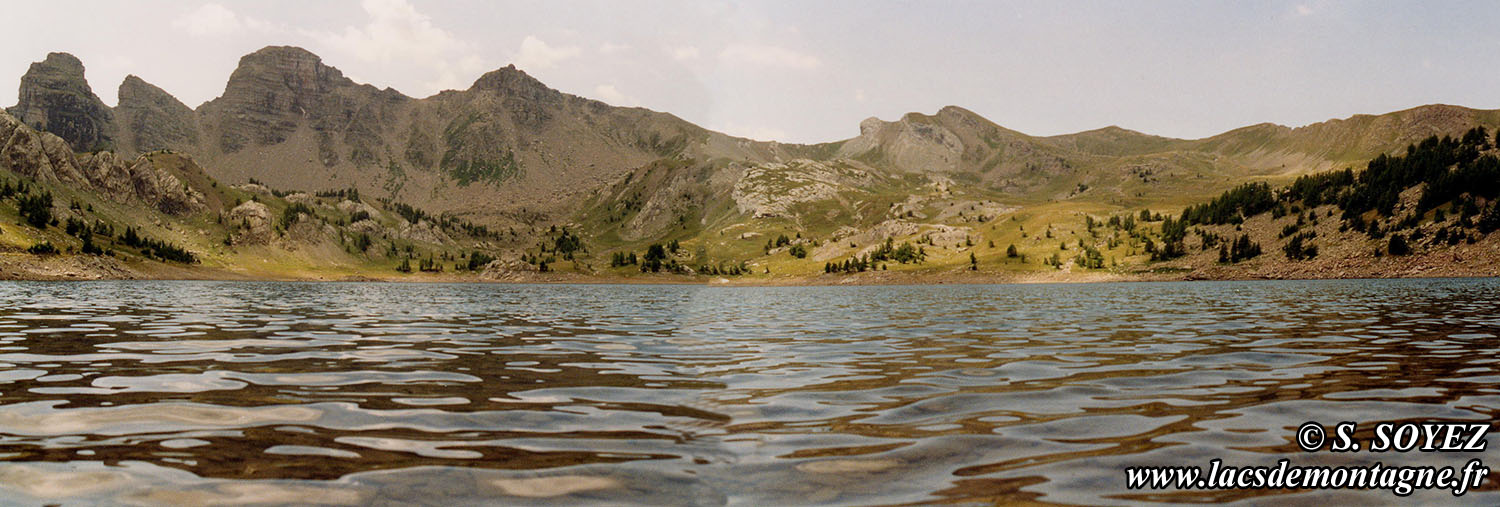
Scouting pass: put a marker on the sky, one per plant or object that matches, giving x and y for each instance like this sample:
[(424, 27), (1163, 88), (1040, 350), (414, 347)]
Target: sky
[(810, 71)]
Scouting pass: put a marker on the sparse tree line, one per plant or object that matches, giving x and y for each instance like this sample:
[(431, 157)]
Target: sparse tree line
[(445, 221), (856, 264), (906, 253), (660, 257), (796, 248), (558, 241), (1460, 184), (470, 261), (35, 206)]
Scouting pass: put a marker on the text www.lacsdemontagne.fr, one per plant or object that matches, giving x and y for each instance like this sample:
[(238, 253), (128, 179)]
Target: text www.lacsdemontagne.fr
[(1400, 480)]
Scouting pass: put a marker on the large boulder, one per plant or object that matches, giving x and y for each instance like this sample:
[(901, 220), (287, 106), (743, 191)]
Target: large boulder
[(424, 230), (352, 207), (251, 224)]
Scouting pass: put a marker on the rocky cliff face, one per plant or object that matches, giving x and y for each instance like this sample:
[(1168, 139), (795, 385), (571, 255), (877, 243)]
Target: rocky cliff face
[(276, 90), (46, 157), (140, 180), (37, 155), (55, 98), (151, 119)]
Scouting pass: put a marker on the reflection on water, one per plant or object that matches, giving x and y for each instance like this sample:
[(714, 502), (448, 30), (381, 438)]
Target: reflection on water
[(188, 392)]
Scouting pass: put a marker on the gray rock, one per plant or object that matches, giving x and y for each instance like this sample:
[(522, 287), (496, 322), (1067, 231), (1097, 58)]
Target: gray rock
[(252, 224), (34, 154), (55, 98), (151, 119)]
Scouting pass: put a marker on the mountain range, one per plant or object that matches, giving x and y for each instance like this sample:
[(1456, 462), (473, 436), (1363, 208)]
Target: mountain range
[(511, 153)]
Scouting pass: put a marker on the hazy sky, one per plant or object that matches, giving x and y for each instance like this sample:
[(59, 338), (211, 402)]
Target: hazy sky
[(809, 71)]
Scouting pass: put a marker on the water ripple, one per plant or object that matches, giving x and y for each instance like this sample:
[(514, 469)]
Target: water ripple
[(344, 393)]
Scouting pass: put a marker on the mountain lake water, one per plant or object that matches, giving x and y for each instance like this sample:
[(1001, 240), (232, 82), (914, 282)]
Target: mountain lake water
[(457, 394)]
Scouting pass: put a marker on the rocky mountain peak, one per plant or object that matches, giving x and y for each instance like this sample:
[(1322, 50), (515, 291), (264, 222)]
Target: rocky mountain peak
[(55, 97), (916, 143), (133, 88), (959, 116), (271, 91), (152, 119), (515, 82), (285, 68), (58, 64)]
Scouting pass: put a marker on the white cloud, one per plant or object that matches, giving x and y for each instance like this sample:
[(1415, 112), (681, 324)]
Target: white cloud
[(770, 56), (1304, 10), (685, 53), (859, 95), (536, 54), (456, 77), (396, 32), (210, 19), (612, 95), (610, 48)]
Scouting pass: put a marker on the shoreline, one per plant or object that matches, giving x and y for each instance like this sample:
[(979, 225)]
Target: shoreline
[(81, 268)]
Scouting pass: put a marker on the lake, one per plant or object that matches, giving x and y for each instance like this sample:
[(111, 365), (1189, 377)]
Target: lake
[(439, 394)]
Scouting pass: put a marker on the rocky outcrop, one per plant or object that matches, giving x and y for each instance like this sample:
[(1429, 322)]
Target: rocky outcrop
[(424, 231), (771, 190), (46, 157), (251, 224), (306, 231), (38, 155), (142, 181), (505, 268), (151, 119), (352, 207), (160, 189), (367, 226), (55, 98), (109, 175)]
